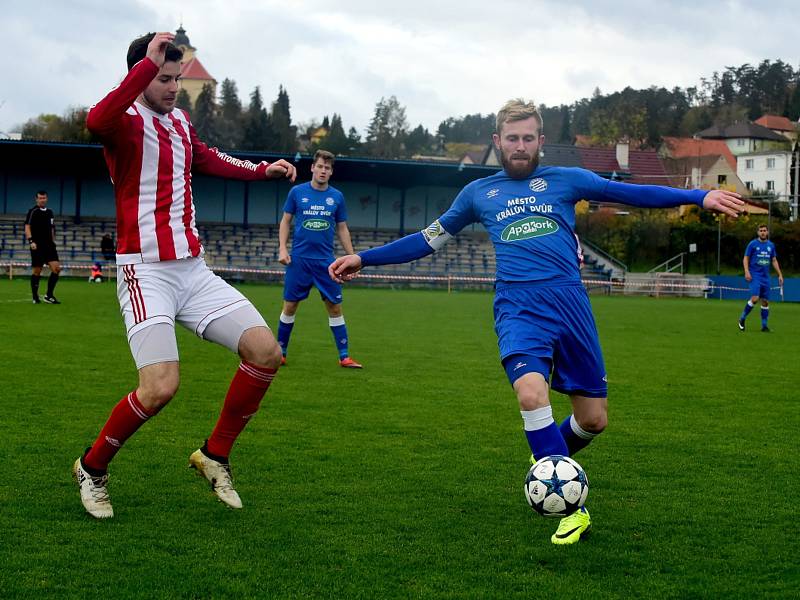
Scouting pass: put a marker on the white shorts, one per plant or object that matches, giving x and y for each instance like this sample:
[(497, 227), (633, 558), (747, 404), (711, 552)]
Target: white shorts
[(181, 291)]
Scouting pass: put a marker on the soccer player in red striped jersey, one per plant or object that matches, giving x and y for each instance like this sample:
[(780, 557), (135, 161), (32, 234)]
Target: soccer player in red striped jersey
[(151, 149)]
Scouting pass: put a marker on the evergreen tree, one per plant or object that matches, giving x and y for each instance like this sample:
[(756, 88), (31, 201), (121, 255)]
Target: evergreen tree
[(258, 133), (230, 126), (565, 134), (336, 141), (183, 101), (354, 145), (205, 116), (281, 118), (793, 105), (387, 130), (419, 141)]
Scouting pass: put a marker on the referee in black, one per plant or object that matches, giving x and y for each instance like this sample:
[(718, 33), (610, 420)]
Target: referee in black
[(40, 231)]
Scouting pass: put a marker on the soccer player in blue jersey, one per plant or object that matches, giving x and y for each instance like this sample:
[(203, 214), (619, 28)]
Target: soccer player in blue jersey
[(758, 256), (543, 319), (317, 209)]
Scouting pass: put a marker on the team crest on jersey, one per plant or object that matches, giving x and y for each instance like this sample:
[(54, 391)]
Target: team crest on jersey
[(432, 231), (537, 184), (529, 227), (492, 193), (329, 201)]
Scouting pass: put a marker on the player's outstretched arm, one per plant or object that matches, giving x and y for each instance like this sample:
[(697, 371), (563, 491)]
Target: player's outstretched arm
[(406, 249), (345, 268), (281, 168), (725, 202)]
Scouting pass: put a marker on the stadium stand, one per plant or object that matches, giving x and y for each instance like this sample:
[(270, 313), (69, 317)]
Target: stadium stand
[(253, 247)]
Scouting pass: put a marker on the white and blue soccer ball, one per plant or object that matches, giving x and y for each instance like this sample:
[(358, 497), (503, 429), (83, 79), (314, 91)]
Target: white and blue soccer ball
[(556, 486)]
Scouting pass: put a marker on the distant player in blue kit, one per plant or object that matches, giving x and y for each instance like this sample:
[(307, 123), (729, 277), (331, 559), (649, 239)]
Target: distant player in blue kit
[(317, 209), (758, 256), (543, 319)]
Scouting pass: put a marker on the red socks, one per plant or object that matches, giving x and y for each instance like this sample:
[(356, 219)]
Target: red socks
[(244, 396), (128, 415)]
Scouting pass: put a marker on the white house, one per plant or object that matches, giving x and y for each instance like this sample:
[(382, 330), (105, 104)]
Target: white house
[(767, 171)]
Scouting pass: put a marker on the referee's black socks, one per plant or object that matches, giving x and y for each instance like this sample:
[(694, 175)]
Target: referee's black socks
[(51, 283), (35, 286)]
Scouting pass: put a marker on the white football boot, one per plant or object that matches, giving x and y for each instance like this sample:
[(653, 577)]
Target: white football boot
[(218, 475), (94, 494)]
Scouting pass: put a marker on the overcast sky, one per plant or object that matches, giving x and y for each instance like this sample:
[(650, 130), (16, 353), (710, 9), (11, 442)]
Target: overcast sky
[(440, 59)]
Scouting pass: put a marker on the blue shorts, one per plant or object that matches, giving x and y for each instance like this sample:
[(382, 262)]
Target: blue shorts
[(302, 273), (759, 287), (550, 330)]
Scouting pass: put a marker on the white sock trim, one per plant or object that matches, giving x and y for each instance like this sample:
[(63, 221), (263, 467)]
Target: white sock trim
[(336, 321), (750, 304), (579, 431), (533, 420), (287, 318), (765, 308)]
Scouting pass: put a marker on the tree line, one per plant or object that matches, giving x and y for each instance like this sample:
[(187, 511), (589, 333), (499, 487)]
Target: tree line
[(643, 116)]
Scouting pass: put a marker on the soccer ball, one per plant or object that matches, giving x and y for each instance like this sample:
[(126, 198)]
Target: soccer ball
[(556, 486)]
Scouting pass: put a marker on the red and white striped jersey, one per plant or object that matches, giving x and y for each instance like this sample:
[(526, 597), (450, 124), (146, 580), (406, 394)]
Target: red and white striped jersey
[(151, 157)]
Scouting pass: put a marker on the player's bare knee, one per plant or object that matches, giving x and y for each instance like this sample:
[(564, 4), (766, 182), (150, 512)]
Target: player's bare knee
[(56, 269), (154, 395), (258, 347), (594, 423), (532, 394), (334, 310)]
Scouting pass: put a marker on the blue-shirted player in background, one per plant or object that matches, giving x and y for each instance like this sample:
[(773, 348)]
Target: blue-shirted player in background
[(318, 209), (758, 256), (543, 319)]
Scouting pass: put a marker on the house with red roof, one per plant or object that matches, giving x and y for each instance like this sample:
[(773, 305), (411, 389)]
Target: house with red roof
[(780, 125), (700, 163)]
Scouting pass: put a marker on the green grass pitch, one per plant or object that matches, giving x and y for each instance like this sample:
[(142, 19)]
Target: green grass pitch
[(403, 480)]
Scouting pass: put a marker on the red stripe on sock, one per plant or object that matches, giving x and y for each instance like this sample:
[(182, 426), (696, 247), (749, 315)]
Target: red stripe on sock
[(248, 387), (126, 418)]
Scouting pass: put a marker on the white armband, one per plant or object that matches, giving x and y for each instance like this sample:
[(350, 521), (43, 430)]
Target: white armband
[(435, 235)]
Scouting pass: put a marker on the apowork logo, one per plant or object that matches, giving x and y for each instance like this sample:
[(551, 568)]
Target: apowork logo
[(316, 224), (528, 227)]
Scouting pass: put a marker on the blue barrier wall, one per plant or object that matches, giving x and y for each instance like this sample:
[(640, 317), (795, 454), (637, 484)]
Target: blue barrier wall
[(791, 288)]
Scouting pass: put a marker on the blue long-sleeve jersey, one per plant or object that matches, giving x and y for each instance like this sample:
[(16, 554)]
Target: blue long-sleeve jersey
[(530, 221)]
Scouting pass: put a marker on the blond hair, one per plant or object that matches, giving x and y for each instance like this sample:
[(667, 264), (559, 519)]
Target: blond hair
[(518, 110)]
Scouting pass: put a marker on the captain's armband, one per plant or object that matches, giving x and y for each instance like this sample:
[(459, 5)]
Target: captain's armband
[(435, 235)]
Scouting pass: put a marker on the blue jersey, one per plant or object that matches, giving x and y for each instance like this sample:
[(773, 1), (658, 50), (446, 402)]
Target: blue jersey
[(761, 255), (316, 214), (531, 221)]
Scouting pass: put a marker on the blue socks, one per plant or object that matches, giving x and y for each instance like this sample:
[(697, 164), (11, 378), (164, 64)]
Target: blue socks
[(544, 437), (285, 331), (575, 437), (339, 330), (764, 316), (747, 308)]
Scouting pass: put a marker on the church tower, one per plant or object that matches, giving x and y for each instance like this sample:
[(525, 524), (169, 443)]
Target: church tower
[(193, 74)]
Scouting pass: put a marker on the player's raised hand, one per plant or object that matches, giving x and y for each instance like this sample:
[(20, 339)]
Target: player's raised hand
[(281, 168), (722, 201), (345, 268), (157, 48)]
